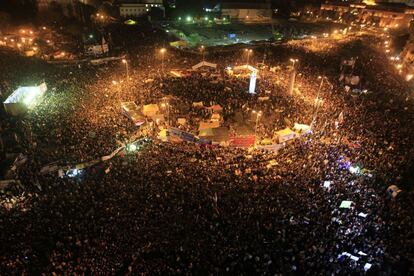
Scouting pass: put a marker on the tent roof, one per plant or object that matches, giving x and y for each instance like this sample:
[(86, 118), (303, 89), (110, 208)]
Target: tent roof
[(204, 64), (150, 109), (216, 107), (302, 127), (245, 67), (26, 94), (286, 131), (207, 125)]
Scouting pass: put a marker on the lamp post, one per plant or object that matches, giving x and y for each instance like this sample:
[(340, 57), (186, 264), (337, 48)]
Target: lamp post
[(258, 114), (202, 48), (248, 52), (124, 61), (292, 76), (294, 61), (162, 52), (317, 103), (319, 89)]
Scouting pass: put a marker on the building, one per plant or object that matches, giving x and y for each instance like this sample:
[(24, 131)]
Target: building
[(259, 10), (376, 2), (407, 55), (380, 13), (139, 7)]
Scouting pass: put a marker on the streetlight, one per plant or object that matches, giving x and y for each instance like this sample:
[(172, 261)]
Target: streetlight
[(202, 48), (317, 101), (292, 76), (248, 51), (258, 114), (162, 51), (124, 61), (294, 61), (319, 89)]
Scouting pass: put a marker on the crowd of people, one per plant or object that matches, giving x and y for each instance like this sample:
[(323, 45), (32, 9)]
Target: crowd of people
[(175, 208)]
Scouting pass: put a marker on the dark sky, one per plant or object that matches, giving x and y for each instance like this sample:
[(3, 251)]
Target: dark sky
[(18, 9)]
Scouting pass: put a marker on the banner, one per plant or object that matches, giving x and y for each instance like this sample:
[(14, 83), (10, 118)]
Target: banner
[(245, 141), (252, 87)]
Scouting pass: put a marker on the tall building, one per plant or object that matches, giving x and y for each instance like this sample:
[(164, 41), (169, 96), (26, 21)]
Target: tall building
[(258, 10)]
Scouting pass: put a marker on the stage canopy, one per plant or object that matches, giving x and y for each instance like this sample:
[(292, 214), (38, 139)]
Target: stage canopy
[(204, 64), (285, 135), (132, 111), (150, 110), (302, 128), (245, 68), (24, 98)]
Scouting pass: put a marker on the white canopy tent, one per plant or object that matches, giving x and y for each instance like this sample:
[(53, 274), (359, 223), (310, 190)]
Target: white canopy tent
[(204, 64), (302, 128), (253, 76), (285, 135), (245, 67), (23, 98), (150, 110)]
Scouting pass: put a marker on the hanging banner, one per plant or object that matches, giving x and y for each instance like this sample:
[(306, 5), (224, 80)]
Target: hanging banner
[(252, 87)]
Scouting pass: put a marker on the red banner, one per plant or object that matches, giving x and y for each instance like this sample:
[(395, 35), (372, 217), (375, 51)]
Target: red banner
[(242, 141)]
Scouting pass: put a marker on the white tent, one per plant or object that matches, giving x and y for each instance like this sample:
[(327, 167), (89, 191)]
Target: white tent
[(150, 110), (285, 135), (302, 128), (253, 76), (23, 99), (204, 64), (245, 67)]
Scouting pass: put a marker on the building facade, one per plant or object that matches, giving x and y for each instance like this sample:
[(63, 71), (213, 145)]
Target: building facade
[(138, 8), (389, 15), (247, 11)]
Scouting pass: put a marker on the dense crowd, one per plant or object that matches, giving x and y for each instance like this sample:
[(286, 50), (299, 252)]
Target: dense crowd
[(181, 208)]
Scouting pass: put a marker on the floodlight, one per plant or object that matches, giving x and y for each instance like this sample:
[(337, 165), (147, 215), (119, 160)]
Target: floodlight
[(131, 148)]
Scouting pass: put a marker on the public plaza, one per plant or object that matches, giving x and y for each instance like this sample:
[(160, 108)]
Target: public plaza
[(284, 158)]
